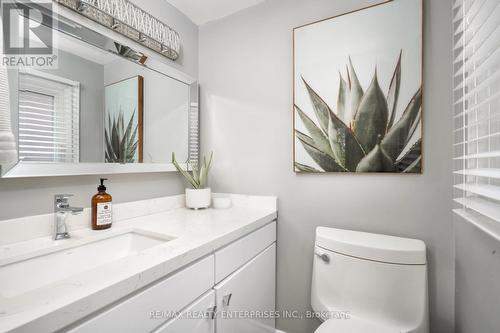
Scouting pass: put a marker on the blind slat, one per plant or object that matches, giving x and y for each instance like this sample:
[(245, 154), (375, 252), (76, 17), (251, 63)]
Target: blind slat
[(490, 99), (481, 206), (479, 155), (44, 116), (35, 120), (484, 190), (484, 172), (48, 119)]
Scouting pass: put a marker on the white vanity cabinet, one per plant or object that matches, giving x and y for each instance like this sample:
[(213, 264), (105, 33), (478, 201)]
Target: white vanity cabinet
[(233, 256), (197, 318), (246, 299), (240, 276), (148, 309)]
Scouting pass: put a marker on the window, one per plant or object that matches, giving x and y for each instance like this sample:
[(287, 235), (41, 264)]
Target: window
[(476, 112), (48, 118)]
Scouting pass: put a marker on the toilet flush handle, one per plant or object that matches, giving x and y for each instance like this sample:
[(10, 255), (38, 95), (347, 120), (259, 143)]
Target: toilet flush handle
[(323, 256)]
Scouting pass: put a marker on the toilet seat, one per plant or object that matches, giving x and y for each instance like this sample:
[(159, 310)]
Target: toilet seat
[(354, 325)]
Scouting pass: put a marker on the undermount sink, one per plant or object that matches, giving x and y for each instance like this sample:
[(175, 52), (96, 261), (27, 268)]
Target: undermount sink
[(38, 271)]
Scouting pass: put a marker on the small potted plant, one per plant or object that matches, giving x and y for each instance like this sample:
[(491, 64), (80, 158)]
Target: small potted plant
[(199, 196)]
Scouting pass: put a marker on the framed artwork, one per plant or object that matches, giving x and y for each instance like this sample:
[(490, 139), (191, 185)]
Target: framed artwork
[(358, 91), (123, 118)]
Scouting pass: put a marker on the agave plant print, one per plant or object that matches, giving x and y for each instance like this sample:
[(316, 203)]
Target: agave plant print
[(358, 91), (123, 121)]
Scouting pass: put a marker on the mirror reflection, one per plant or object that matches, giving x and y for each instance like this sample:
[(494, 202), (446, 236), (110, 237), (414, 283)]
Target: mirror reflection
[(98, 107)]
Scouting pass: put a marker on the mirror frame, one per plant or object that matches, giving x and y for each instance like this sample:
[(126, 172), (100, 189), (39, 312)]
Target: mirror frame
[(77, 27)]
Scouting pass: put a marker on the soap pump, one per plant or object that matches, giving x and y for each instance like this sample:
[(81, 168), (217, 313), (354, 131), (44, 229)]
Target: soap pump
[(102, 214)]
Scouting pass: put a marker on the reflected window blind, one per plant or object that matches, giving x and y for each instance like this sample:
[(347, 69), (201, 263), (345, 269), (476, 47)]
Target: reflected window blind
[(476, 109), (48, 118)]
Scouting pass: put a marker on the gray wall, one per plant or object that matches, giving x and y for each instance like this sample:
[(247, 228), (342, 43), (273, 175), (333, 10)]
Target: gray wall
[(477, 274), (90, 75), (246, 86), (35, 196)]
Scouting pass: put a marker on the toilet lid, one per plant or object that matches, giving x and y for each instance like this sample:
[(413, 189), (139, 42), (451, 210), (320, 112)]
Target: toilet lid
[(354, 325)]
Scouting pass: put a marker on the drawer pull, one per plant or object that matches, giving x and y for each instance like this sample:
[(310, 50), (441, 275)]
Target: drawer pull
[(226, 299), (211, 312)]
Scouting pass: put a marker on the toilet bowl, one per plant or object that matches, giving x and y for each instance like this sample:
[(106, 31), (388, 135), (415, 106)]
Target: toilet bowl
[(363, 282)]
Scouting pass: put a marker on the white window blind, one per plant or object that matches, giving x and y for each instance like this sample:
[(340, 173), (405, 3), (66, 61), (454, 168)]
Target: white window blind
[(476, 112), (48, 118)]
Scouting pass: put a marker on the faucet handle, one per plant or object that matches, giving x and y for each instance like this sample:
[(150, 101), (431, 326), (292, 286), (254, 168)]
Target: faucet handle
[(62, 198)]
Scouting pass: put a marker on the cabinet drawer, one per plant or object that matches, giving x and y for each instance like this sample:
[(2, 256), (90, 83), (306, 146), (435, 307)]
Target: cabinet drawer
[(191, 319), (134, 315), (235, 255)]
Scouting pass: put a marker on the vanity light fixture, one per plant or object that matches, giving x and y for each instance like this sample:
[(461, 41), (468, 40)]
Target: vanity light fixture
[(130, 21)]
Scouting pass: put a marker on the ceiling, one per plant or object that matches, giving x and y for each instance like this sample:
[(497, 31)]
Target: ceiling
[(203, 11)]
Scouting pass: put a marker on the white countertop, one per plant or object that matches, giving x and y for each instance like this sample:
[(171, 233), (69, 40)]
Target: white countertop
[(196, 234)]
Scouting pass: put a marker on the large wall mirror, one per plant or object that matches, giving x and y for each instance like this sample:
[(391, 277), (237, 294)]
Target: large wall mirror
[(102, 109)]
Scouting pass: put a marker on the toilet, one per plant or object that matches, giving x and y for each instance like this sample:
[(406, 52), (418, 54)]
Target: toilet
[(369, 283)]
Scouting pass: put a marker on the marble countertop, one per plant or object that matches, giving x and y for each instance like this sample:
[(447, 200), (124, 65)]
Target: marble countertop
[(196, 234)]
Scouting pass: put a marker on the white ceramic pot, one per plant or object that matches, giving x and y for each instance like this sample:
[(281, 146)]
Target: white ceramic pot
[(198, 199)]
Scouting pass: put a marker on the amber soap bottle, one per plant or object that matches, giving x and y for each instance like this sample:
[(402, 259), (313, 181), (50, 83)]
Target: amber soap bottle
[(102, 213)]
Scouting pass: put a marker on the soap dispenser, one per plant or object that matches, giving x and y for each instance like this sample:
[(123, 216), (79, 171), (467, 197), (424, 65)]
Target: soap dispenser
[(102, 214)]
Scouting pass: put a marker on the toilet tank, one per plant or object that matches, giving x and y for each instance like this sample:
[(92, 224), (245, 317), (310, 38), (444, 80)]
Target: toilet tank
[(374, 277)]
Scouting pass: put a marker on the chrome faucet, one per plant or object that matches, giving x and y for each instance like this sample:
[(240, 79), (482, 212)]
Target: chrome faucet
[(61, 212)]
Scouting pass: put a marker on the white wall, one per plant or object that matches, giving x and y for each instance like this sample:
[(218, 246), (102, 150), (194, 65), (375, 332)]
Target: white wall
[(35, 196), (477, 279), (246, 86)]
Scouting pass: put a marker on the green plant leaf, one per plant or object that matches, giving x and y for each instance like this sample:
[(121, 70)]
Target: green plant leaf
[(356, 89), (125, 140), (185, 174), (130, 154), (415, 167), (344, 142), (410, 162), (132, 140), (307, 139), (128, 131), (376, 161), (210, 160), (115, 141), (414, 126), (320, 140), (342, 99), (120, 144), (109, 148), (120, 126), (321, 109), (337, 143), (205, 170), (325, 161), (196, 173), (203, 175), (397, 137), (370, 121), (305, 168), (393, 95)]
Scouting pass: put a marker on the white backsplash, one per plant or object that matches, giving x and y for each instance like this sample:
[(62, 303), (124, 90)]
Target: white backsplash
[(25, 228), (30, 227)]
